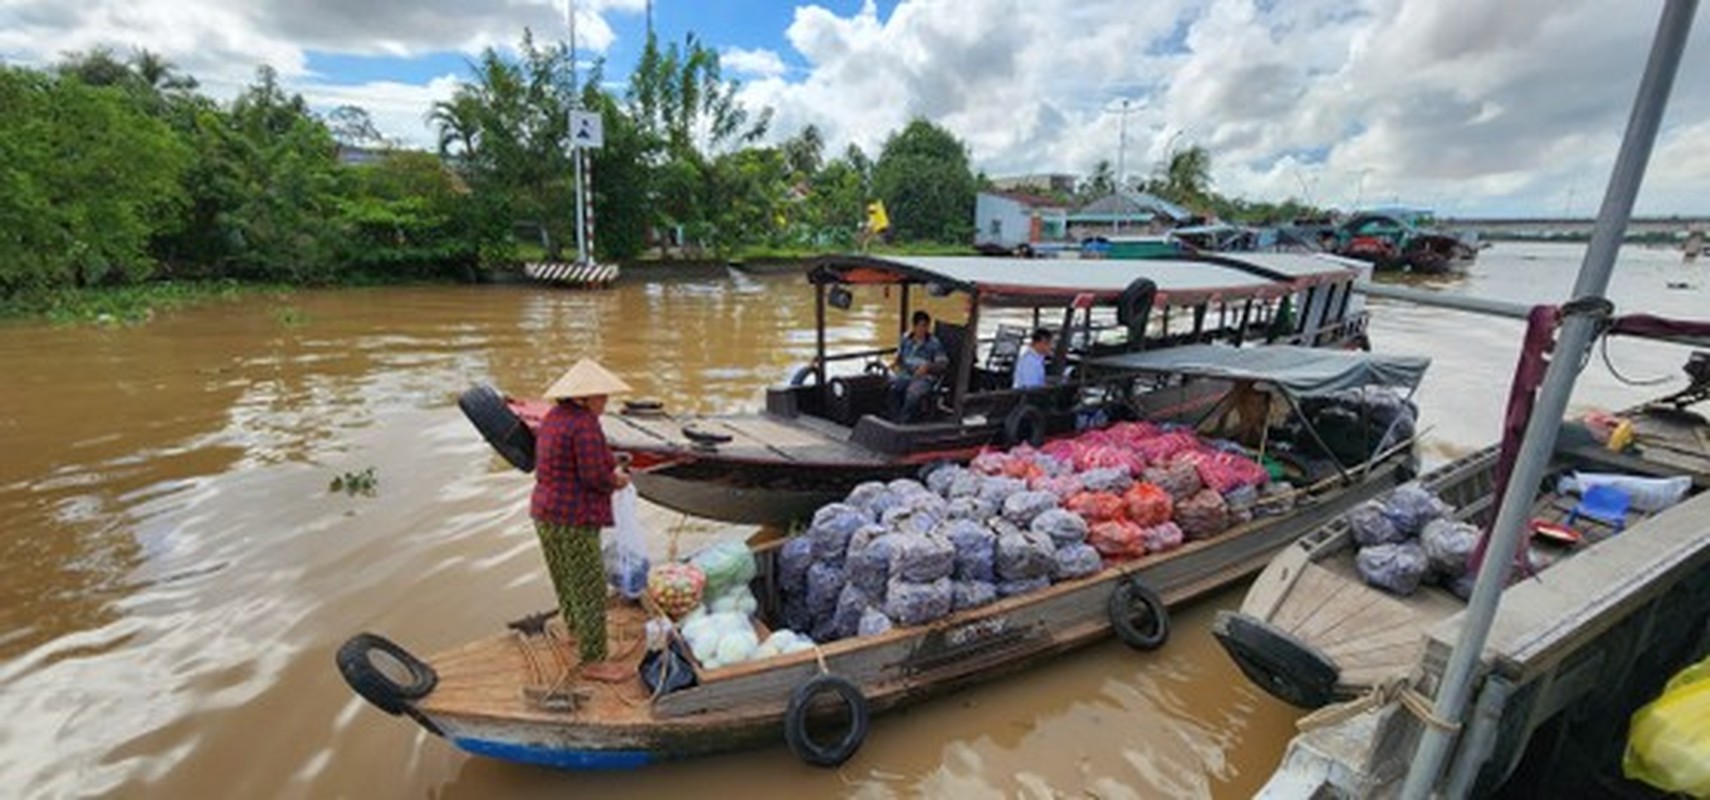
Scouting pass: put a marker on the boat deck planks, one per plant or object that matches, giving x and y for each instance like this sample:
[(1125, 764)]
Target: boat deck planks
[(1313, 591), (488, 677), (753, 437)]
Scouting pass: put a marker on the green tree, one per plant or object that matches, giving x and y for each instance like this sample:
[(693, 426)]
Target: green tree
[(510, 126), (90, 178), (837, 205), (410, 216), (353, 126), (264, 190), (923, 176), (750, 184), (1100, 183), (687, 113), (1186, 177), (804, 153)]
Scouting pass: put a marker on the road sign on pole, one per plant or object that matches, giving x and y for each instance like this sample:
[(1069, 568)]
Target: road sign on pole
[(586, 129)]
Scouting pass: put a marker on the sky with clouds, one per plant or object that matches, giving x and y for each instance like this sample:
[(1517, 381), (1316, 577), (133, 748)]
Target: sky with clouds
[(1468, 106)]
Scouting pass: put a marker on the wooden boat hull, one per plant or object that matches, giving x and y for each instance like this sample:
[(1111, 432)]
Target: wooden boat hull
[(1311, 632), (734, 501), (776, 470), (478, 702)]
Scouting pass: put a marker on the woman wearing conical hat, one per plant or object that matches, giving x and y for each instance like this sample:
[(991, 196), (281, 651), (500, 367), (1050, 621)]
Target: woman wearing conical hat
[(575, 475)]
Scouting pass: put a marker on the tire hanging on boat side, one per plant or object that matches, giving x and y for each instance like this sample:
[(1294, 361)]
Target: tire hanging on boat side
[(1131, 605), (1282, 665), (356, 664), (801, 706), (1134, 305), (501, 427)]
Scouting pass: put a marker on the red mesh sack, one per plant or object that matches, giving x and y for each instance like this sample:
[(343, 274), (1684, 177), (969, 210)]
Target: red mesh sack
[(1097, 506), (1117, 539), (1148, 505)]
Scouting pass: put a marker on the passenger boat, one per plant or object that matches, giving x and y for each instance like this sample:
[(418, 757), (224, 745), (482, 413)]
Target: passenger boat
[(827, 430), (516, 695)]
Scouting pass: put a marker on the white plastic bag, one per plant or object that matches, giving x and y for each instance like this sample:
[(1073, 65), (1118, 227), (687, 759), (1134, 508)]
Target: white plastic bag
[(625, 549)]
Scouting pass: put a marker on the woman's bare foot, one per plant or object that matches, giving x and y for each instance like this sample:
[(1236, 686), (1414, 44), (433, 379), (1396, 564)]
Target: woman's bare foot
[(608, 672)]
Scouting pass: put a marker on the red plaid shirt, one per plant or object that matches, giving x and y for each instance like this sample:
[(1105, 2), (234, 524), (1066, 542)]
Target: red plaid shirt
[(572, 469)]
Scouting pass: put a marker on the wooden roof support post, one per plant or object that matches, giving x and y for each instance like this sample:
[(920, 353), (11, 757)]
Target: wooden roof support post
[(903, 326), (970, 347), (819, 331)]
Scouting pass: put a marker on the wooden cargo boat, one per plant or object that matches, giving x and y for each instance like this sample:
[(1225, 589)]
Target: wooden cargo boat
[(828, 430), (1311, 632), (1401, 239), (515, 696)]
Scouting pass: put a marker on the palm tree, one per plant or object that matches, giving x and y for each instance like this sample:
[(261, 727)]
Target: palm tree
[(1101, 182), (1187, 178), (158, 73)]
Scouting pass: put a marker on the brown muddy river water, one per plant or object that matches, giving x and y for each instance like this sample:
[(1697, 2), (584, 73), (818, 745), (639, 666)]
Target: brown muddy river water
[(176, 574)]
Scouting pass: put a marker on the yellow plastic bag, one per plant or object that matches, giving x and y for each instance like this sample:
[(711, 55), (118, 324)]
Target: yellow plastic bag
[(1668, 744)]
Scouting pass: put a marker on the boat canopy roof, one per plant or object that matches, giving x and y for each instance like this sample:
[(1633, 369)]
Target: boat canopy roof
[(1308, 267), (1300, 371), (1052, 281)]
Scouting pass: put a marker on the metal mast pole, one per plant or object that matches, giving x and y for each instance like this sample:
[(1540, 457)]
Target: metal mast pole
[(576, 150), (1123, 110), (1576, 337)]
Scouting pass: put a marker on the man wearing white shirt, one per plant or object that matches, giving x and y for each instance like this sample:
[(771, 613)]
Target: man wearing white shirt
[(1030, 365)]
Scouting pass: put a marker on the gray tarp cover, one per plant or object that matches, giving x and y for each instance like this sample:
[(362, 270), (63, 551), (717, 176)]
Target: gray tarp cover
[(1300, 371)]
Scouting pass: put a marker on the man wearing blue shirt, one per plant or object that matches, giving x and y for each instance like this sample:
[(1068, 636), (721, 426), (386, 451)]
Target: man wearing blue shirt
[(920, 358), (1030, 365)]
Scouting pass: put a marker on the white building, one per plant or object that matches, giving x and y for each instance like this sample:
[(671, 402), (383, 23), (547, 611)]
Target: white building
[(1007, 220)]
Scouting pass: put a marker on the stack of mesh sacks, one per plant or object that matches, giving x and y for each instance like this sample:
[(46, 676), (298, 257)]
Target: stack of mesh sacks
[(721, 631), (1410, 537), (906, 554), (1144, 489), (1012, 522)]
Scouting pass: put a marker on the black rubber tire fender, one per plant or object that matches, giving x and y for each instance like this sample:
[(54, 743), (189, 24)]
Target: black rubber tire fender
[(800, 708), (1130, 626), (499, 425), (1284, 666), (1024, 425), (802, 374), (1135, 303), (357, 666)]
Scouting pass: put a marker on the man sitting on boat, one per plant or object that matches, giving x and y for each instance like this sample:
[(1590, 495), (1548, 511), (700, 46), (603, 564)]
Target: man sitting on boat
[(1030, 365), (921, 357)]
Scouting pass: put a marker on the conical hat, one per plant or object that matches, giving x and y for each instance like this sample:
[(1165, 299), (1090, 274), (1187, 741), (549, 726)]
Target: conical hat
[(586, 379)]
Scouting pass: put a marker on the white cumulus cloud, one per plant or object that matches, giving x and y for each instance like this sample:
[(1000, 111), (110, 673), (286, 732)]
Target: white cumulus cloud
[(757, 62), (1467, 105)]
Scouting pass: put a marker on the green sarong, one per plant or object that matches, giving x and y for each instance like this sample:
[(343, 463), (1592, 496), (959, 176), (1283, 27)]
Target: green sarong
[(573, 559)]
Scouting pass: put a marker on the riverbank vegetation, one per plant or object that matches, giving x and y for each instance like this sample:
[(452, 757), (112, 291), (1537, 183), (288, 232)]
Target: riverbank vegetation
[(121, 174)]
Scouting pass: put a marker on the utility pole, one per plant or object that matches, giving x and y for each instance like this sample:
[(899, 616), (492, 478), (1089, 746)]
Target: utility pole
[(1123, 109), (575, 149)]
